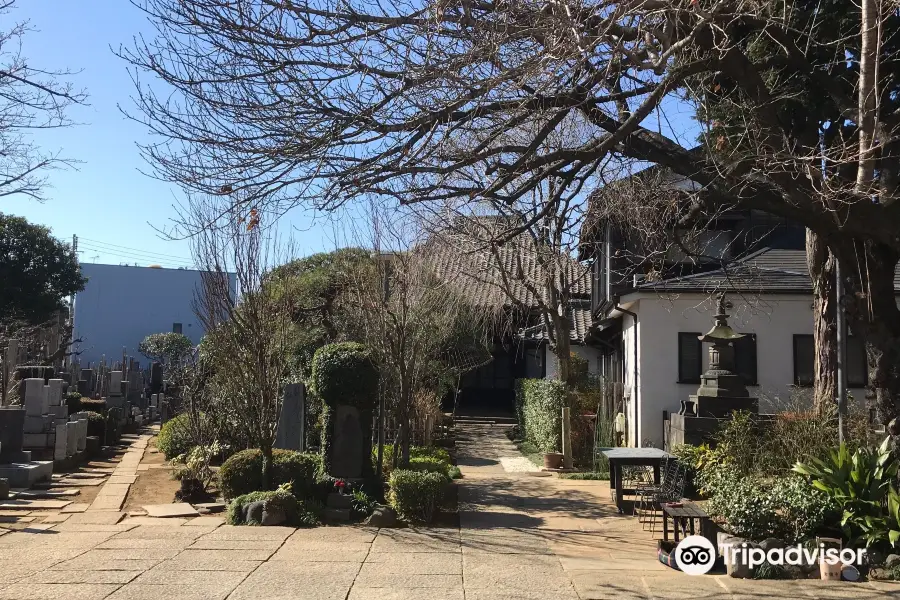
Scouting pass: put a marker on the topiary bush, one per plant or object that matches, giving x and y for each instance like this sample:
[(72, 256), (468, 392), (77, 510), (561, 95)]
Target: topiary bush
[(298, 513), (96, 425), (344, 374), (431, 464), (539, 403), (175, 436), (416, 495), (242, 472)]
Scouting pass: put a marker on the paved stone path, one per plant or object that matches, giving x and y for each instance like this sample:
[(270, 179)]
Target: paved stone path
[(522, 537)]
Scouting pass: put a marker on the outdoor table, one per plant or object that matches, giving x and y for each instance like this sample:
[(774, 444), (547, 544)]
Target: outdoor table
[(618, 457), (687, 513)]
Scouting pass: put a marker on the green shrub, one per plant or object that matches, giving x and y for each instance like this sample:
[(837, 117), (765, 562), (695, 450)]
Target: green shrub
[(585, 476), (803, 509), (242, 472), (298, 513), (175, 436), (361, 504), (73, 402), (344, 373), (96, 425), (540, 402), (749, 508), (416, 495), (432, 453)]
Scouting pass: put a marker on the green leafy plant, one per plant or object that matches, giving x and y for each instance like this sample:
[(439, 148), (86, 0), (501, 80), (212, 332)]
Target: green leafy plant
[(344, 373), (195, 464), (416, 495), (539, 403), (747, 506), (167, 348), (803, 511), (96, 425), (175, 436), (361, 504), (860, 485), (242, 472), (415, 453), (298, 513)]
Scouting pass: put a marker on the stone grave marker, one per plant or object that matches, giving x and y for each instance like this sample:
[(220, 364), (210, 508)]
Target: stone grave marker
[(291, 434), (347, 445)]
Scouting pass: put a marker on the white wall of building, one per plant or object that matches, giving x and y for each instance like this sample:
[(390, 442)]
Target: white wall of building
[(121, 305), (591, 355), (775, 319)]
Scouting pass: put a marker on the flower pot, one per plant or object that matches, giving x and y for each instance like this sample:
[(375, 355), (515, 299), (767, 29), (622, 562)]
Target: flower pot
[(553, 460)]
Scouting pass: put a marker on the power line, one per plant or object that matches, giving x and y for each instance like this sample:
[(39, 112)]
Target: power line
[(138, 250), (136, 256)]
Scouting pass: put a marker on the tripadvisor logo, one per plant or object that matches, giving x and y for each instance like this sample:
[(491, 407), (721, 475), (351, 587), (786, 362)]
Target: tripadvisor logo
[(696, 555)]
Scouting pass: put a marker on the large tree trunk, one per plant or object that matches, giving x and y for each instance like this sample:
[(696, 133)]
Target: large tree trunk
[(873, 312), (821, 265)]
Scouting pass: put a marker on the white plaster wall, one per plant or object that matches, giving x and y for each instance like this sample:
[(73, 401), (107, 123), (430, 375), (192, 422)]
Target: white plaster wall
[(774, 319), (591, 355)]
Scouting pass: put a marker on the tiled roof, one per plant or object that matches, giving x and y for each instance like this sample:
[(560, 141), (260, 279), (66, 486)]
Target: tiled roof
[(470, 263), (769, 270)]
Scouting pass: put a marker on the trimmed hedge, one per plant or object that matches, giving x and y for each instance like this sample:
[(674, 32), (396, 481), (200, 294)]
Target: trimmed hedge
[(344, 373), (539, 404), (97, 406), (175, 436), (415, 453), (297, 512), (416, 495), (242, 472)]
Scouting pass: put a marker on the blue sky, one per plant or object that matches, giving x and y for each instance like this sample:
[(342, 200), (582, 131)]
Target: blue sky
[(112, 207), (107, 202)]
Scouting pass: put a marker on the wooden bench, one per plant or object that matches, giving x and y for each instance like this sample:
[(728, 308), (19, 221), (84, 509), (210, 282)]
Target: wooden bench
[(686, 514)]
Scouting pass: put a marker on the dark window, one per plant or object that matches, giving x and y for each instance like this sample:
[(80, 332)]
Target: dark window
[(176, 327), (745, 358), (857, 366), (690, 361), (804, 359)]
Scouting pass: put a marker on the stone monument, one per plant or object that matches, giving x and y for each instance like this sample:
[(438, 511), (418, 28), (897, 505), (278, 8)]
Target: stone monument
[(721, 392), (291, 434)]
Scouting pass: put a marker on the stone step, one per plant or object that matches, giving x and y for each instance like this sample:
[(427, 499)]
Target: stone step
[(35, 494), (336, 514), (336, 500)]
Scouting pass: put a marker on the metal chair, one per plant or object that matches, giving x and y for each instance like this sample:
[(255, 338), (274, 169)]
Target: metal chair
[(670, 489), (648, 486)]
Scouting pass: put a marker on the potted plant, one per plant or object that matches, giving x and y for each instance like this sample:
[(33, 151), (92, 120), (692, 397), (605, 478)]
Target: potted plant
[(553, 460)]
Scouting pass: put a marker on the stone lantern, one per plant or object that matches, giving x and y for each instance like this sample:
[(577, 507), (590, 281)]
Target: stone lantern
[(721, 392)]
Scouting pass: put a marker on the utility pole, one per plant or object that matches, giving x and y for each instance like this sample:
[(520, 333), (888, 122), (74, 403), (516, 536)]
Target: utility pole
[(841, 323)]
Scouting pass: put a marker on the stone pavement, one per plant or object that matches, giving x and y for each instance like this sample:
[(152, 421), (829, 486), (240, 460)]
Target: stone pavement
[(521, 538)]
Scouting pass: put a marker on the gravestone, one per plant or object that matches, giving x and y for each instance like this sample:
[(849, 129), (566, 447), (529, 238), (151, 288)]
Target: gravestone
[(61, 442), (156, 378), (291, 432), (347, 446), (12, 435), (87, 375), (36, 400), (115, 383), (83, 388)]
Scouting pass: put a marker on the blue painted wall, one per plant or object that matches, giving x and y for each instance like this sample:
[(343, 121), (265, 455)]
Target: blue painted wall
[(121, 305)]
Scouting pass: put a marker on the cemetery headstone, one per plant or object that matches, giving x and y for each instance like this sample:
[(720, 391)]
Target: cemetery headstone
[(291, 432), (347, 446)]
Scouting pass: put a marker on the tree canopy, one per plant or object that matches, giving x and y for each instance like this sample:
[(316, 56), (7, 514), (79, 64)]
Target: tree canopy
[(37, 270), (318, 102), (166, 348)]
